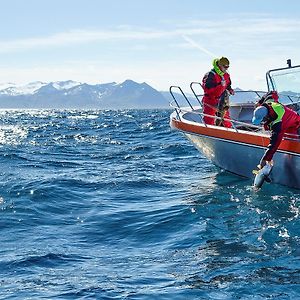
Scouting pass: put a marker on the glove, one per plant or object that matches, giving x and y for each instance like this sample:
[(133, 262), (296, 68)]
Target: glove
[(255, 171), (231, 92)]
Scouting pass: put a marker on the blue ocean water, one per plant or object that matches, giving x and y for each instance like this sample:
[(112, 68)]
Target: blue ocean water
[(115, 205)]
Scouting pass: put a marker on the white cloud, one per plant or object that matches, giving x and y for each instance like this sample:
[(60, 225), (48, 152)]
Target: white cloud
[(78, 37), (250, 28)]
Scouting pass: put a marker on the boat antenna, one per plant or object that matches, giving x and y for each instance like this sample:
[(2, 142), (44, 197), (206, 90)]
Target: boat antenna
[(289, 62)]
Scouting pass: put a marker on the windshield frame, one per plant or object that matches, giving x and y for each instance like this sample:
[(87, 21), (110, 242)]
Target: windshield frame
[(271, 74)]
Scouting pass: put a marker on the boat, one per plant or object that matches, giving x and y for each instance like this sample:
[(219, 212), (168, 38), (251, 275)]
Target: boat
[(239, 149)]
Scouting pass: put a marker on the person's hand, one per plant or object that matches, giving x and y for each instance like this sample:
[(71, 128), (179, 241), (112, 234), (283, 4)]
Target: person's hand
[(262, 164), (231, 92)]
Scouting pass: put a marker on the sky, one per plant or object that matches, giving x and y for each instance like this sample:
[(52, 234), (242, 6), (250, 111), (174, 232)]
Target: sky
[(160, 42)]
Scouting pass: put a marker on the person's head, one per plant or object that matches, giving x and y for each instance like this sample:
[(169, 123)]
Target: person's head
[(223, 63), (271, 95), (259, 114)]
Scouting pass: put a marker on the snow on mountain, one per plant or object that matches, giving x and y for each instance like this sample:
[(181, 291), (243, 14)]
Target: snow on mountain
[(6, 85), (72, 94), (65, 85), (27, 89), (33, 87)]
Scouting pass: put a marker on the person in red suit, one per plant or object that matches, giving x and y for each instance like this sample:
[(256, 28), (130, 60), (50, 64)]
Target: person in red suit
[(217, 85), (277, 118)]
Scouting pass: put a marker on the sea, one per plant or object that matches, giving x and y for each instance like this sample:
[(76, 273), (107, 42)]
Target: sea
[(103, 204)]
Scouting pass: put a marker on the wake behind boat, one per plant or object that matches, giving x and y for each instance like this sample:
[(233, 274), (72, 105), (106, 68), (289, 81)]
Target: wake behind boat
[(240, 148)]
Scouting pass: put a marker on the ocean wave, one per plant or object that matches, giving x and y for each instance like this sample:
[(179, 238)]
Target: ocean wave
[(114, 204)]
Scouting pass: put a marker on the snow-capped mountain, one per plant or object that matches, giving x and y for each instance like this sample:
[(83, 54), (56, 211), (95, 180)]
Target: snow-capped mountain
[(72, 94), (12, 89), (31, 88)]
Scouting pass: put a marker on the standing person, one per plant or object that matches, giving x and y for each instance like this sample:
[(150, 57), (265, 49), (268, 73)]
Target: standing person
[(277, 118), (216, 83)]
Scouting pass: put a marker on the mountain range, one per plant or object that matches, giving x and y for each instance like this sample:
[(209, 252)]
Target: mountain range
[(75, 95)]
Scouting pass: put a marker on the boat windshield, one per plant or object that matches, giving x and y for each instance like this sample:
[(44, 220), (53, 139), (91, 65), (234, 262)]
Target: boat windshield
[(285, 81)]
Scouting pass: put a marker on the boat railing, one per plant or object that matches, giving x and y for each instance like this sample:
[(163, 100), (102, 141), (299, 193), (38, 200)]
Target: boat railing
[(196, 108), (181, 100), (235, 123), (193, 89), (258, 94), (180, 93)]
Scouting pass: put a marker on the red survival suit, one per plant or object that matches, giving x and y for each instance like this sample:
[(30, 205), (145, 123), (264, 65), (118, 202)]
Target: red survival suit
[(214, 85), (290, 123)]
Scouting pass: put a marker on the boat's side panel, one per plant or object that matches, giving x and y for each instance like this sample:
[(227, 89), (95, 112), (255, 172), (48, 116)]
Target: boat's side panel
[(235, 157), (240, 152), (261, 140), (242, 158)]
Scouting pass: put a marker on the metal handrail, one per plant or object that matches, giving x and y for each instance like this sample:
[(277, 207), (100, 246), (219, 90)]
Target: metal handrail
[(183, 110), (258, 93), (174, 99), (287, 136), (196, 95), (183, 94)]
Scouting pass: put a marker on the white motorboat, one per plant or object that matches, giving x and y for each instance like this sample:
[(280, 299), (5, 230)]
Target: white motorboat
[(240, 148)]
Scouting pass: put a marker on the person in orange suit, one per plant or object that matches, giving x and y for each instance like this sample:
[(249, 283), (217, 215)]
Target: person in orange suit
[(217, 85)]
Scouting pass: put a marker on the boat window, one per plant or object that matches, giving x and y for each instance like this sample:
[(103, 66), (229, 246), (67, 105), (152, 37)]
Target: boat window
[(286, 82)]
